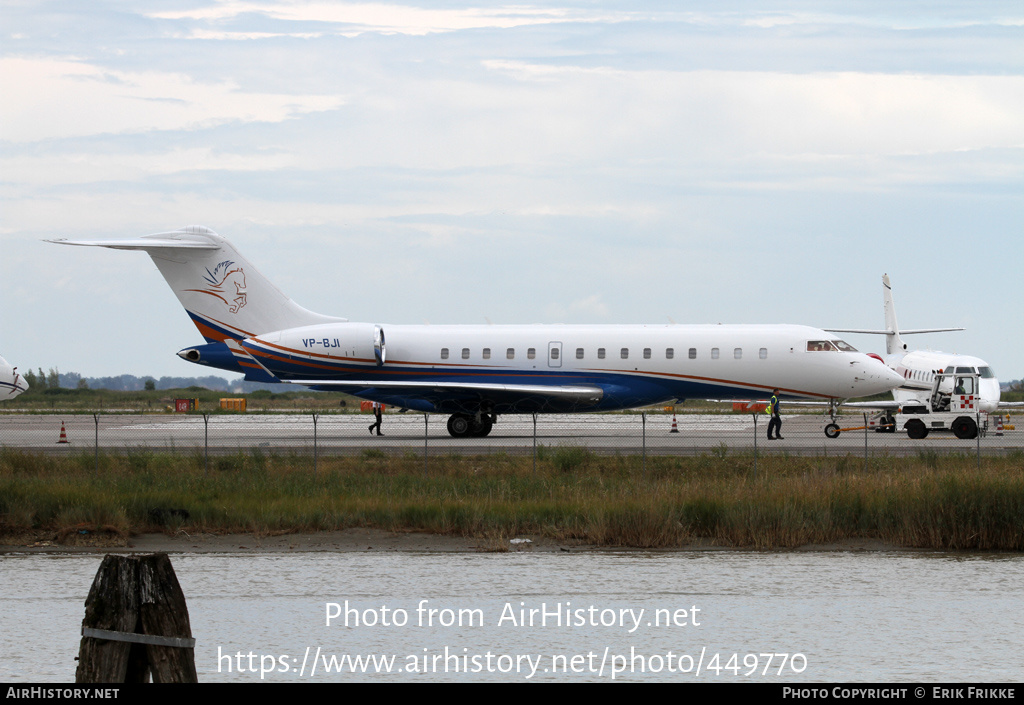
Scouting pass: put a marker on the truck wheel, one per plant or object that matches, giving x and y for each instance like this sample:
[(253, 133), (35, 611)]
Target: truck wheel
[(916, 429), (965, 427), (832, 430)]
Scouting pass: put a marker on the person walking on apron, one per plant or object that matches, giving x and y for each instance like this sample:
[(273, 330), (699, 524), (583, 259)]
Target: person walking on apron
[(776, 420), (378, 413)]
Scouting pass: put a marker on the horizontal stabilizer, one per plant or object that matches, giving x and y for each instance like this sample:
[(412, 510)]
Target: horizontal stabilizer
[(891, 332), (141, 243)]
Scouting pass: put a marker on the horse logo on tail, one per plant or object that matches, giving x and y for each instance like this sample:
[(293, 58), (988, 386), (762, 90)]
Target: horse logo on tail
[(227, 283)]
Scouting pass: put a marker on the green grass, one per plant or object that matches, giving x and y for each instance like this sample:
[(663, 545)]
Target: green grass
[(928, 501)]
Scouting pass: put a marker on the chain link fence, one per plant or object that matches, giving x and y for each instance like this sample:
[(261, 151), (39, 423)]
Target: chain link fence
[(646, 433)]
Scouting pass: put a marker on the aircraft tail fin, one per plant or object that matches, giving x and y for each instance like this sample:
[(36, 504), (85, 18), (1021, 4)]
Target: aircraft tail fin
[(893, 341), (225, 296)]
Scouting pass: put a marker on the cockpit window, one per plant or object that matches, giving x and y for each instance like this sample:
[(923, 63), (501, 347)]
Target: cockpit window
[(964, 370), (844, 346), (820, 346), (986, 372)]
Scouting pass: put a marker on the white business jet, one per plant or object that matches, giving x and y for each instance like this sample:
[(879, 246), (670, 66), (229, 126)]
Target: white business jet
[(11, 383), (919, 368), (477, 372)]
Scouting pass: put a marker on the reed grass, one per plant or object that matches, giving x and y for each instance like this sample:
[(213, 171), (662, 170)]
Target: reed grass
[(933, 501)]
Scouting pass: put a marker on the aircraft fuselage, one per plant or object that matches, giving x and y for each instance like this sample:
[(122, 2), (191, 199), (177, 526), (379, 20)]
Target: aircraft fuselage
[(631, 365)]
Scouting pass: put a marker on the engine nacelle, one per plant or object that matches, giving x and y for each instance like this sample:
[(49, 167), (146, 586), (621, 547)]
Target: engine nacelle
[(297, 351)]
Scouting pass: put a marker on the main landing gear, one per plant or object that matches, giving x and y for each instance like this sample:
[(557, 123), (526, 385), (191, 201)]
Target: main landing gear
[(470, 425)]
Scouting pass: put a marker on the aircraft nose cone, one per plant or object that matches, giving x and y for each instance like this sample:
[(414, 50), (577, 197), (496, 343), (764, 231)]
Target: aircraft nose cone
[(885, 378), (877, 378)]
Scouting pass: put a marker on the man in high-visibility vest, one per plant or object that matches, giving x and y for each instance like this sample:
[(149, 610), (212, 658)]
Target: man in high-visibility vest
[(776, 421)]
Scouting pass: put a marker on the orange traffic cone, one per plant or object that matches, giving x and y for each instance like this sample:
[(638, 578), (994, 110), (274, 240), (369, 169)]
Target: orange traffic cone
[(675, 429), (63, 434)]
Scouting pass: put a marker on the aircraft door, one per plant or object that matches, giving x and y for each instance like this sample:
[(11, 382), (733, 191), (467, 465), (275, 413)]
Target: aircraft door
[(555, 354)]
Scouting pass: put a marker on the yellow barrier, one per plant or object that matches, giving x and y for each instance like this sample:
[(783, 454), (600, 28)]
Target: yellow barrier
[(232, 404)]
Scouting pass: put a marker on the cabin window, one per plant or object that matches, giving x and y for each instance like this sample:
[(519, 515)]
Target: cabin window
[(624, 353), (465, 353), (763, 353), (669, 353), (444, 353), (579, 353), (510, 353), (554, 353), (692, 354), (487, 353), (531, 353), (737, 353), (714, 353), (600, 353), (647, 353)]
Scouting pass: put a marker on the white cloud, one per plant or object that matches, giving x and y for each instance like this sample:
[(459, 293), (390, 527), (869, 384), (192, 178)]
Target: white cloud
[(57, 98), (382, 18), (683, 114)]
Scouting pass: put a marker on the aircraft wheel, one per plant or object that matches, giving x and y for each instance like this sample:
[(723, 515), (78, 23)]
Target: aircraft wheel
[(965, 427), (479, 430), (832, 430), (916, 429), (890, 424), (459, 425)]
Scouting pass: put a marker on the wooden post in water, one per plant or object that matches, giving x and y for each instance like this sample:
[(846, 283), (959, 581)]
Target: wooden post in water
[(136, 625)]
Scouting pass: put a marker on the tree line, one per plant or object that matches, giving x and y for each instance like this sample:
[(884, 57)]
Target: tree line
[(55, 379)]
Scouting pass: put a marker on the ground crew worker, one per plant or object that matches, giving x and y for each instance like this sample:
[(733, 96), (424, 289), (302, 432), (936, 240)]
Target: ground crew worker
[(378, 413), (776, 421)]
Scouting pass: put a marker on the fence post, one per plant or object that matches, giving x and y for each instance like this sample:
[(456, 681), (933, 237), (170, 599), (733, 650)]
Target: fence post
[(535, 443), (755, 443), (977, 436), (316, 455), (426, 426), (96, 446), (643, 425), (865, 442), (206, 445)]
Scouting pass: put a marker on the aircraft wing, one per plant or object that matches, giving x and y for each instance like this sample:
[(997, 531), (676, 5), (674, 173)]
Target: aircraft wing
[(881, 404), (575, 394), (1011, 404)]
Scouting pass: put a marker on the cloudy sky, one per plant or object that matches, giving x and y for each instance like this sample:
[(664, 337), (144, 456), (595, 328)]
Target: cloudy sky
[(577, 162)]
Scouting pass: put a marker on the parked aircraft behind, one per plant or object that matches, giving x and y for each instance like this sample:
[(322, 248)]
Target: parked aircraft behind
[(477, 372), (919, 368), (11, 383)]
